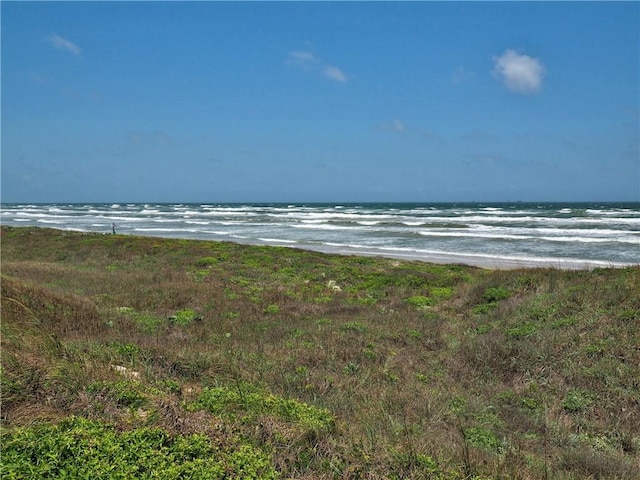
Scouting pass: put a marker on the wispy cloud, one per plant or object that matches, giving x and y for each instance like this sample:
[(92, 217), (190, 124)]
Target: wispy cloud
[(302, 59), (64, 44), (334, 73), (306, 60), (519, 73), (396, 126), (401, 128), (485, 159)]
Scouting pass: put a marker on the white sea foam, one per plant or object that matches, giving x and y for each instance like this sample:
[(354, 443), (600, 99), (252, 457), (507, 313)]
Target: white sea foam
[(630, 240), (314, 221), (471, 258), (276, 240), (165, 230), (36, 215), (608, 234), (322, 226)]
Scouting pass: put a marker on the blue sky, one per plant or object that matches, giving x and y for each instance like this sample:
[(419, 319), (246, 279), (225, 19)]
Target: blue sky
[(311, 101)]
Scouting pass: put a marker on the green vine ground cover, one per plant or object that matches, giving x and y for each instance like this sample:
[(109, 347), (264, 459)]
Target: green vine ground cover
[(78, 448)]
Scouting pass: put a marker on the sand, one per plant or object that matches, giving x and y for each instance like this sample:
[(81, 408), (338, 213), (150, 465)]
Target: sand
[(481, 261)]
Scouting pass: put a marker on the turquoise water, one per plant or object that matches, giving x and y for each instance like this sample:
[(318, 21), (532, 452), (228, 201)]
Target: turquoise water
[(569, 235)]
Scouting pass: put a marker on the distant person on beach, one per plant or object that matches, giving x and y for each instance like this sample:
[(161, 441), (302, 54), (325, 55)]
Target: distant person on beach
[(113, 227)]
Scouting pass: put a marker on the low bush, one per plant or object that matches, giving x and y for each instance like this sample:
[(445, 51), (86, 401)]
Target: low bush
[(419, 301), (182, 318), (78, 448), (249, 404)]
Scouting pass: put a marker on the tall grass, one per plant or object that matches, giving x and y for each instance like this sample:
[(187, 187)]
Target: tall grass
[(412, 370)]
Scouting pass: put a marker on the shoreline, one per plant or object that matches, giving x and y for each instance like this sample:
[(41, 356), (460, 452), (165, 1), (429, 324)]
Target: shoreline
[(508, 236), (451, 258), (441, 258)]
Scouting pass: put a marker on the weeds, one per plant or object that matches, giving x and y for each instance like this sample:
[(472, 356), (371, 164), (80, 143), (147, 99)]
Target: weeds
[(231, 361), (184, 317), (577, 401), (248, 406)]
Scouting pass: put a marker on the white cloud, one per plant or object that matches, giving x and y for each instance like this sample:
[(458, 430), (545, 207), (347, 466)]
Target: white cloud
[(301, 58), (306, 60), (519, 73), (399, 127), (63, 44), (334, 73)]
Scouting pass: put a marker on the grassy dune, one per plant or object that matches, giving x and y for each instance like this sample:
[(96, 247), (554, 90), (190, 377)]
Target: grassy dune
[(168, 358)]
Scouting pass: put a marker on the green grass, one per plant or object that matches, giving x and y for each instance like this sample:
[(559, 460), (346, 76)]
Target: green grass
[(248, 405), (216, 360)]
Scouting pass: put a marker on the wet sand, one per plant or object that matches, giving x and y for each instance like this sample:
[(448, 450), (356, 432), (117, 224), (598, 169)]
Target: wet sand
[(475, 260)]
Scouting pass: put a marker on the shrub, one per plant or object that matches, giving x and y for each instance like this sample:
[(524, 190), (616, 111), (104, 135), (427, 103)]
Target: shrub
[(523, 330), (597, 347), (129, 351), (414, 334), (442, 292), (78, 448), (577, 401), (272, 309), (407, 461), (351, 368), (125, 393), (563, 322), (206, 261), (495, 294), (145, 322), (353, 327), (419, 301), (481, 437), (184, 317), (483, 308), (250, 405)]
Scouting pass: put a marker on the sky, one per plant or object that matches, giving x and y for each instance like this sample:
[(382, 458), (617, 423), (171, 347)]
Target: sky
[(320, 101)]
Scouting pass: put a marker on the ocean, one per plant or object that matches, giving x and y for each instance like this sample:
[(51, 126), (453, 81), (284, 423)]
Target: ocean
[(500, 235)]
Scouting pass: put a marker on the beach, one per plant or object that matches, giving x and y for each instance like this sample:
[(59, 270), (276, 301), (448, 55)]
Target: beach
[(505, 235)]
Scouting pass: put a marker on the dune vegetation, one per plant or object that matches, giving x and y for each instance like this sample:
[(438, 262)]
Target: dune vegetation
[(141, 357)]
